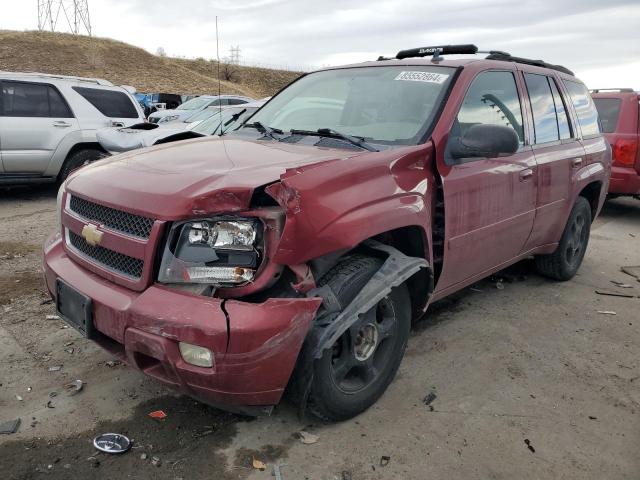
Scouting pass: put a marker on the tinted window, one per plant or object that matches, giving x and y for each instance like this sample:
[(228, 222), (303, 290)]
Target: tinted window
[(110, 103), (544, 110), (608, 110), (32, 100), (584, 107), (236, 101), (564, 127), (492, 99)]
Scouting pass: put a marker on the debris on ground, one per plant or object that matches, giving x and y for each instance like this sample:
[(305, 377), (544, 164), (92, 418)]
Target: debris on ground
[(74, 387), (112, 363), (7, 428), (95, 463), (53, 317), (633, 270), (53, 394), (112, 443), (158, 415), (346, 475), (277, 471), (143, 456), (50, 404), (384, 460), (615, 294), (500, 285), (527, 442), (307, 438), (621, 284), (204, 431), (607, 312), (55, 368), (429, 399), (19, 398), (258, 464), (155, 461), (591, 417)]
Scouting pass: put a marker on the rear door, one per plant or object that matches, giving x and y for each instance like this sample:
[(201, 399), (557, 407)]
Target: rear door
[(33, 121), (558, 153), (117, 108), (489, 203)]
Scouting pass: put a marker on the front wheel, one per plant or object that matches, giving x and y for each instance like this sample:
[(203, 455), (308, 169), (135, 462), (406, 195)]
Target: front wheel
[(355, 372), (564, 263)]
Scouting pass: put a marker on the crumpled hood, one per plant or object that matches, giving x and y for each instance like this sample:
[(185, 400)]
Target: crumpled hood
[(119, 139), (207, 175)]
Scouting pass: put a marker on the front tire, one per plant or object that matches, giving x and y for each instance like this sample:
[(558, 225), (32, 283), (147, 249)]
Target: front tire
[(564, 263), (356, 371), (77, 160)]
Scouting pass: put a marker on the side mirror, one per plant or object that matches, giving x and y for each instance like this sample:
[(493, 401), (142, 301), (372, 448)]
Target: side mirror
[(485, 141)]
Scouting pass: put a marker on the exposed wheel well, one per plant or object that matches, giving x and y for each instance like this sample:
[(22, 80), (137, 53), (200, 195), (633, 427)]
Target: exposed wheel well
[(412, 242), (84, 146), (592, 193)]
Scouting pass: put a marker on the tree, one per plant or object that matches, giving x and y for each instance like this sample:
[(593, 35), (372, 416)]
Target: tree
[(160, 52)]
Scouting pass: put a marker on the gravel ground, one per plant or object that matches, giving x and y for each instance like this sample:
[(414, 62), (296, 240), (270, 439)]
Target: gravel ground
[(530, 381)]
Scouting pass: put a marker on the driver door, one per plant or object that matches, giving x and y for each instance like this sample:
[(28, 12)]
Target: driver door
[(489, 203)]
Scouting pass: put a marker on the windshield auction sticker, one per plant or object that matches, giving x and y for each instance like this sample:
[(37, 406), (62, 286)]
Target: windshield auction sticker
[(422, 77)]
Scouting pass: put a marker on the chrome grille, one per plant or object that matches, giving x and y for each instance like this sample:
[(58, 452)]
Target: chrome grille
[(108, 258), (118, 220)]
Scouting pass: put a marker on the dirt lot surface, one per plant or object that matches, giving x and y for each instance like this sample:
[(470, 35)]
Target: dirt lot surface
[(530, 381)]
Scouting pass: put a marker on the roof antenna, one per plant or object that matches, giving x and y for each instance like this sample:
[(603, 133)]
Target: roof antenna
[(219, 87), (437, 58)]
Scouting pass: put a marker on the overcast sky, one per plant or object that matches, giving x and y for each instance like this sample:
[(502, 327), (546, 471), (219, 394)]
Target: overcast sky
[(599, 40)]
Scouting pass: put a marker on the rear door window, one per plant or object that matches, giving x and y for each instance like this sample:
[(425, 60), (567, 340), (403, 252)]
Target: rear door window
[(564, 127), (584, 107), (25, 99), (609, 110), (545, 121), (491, 99), (110, 103)]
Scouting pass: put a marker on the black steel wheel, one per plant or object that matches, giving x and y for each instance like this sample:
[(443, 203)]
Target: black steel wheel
[(564, 263)]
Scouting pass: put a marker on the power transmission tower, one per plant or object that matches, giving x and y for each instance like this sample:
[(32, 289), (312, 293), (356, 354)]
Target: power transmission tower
[(74, 12), (234, 56)]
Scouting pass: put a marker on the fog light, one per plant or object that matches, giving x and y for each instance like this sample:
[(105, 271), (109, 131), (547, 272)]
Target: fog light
[(196, 355)]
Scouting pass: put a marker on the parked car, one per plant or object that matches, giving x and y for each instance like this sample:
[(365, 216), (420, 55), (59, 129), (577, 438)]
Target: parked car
[(48, 123), (219, 120), (296, 251), (151, 102), (194, 105), (619, 110)]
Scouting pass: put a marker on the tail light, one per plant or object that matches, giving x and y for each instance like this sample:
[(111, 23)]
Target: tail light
[(625, 151)]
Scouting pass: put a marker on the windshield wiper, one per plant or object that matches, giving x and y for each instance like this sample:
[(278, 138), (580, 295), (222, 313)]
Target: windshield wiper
[(231, 120), (265, 129), (330, 132)]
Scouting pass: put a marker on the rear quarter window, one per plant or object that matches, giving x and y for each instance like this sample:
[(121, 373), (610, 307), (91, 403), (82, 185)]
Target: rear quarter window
[(609, 110), (584, 107), (110, 103)]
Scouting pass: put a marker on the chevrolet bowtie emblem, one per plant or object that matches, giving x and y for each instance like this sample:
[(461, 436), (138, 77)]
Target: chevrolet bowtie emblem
[(91, 234)]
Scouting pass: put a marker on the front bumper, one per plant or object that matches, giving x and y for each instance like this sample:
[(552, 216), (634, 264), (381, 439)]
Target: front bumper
[(624, 181), (255, 345)]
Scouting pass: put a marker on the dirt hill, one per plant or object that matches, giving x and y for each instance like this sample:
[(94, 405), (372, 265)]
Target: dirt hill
[(124, 64)]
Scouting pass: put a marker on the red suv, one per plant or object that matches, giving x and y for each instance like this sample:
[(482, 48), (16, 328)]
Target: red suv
[(295, 252), (620, 117)]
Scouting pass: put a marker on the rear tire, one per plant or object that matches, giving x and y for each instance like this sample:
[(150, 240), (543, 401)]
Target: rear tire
[(356, 371), (77, 160), (564, 263)]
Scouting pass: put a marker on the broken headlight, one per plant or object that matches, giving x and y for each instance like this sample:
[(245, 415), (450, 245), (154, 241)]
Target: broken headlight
[(220, 252)]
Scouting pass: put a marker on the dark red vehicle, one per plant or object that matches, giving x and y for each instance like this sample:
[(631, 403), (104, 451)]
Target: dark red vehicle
[(296, 252), (619, 110)]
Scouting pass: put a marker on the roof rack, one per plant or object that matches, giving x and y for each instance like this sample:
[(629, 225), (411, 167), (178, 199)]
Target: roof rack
[(97, 81), (621, 90), (470, 49)]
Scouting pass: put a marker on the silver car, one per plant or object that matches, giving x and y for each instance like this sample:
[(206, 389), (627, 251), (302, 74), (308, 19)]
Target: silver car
[(48, 123), (219, 121), (195, 105)]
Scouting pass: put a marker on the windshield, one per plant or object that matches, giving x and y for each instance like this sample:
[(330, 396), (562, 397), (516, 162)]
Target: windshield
[(195, 103), (231, 119), (388, 105)]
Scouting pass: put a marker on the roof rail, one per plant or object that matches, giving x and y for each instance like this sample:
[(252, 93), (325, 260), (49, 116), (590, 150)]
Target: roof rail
[(621, 90), (470, 49), (97, 81)]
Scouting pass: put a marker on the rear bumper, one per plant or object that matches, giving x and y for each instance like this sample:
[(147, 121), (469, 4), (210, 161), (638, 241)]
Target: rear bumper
[(624, 181), (255, 345)]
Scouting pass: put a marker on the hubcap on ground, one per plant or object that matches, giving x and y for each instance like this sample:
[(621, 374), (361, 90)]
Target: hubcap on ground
[(362, 352)]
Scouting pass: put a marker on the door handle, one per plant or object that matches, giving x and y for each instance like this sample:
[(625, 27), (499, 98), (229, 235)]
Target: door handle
[(576, 162), (526, 173), (61, 124)]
